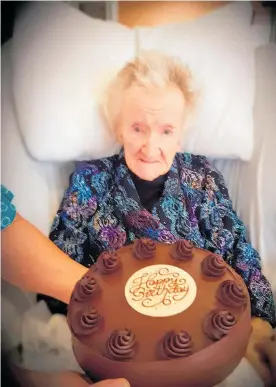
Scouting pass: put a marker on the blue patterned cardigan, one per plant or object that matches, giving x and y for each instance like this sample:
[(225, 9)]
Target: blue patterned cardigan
[(101, 210)]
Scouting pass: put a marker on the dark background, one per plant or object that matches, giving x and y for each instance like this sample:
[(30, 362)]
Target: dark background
[(9, 10)]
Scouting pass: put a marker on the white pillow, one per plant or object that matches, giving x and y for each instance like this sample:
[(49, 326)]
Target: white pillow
[(219, 48), (62, 59)]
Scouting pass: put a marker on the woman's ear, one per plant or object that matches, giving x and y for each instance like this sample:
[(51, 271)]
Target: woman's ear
[(119, 135)]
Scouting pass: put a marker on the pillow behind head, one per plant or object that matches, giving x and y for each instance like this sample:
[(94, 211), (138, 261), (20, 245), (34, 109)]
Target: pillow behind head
[(62, 60), (219, 48)]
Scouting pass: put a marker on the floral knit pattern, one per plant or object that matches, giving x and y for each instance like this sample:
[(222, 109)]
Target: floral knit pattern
[(101, 210)]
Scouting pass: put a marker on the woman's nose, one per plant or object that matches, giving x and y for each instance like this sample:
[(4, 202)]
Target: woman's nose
[(151, 148)]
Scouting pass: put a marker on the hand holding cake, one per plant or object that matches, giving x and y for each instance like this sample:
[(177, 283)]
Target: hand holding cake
[(32, 262), (261, 351)]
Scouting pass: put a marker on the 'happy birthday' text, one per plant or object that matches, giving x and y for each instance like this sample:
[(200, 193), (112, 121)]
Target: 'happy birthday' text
[(162, 287)]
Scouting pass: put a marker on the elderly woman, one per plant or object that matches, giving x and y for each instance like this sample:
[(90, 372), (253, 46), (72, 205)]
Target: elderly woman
[(151, 189)]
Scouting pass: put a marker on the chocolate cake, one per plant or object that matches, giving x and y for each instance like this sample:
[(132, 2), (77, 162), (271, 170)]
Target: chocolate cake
[(160, 315)]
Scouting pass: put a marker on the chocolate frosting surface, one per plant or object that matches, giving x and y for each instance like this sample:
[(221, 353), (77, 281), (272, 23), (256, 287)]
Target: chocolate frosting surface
[(213, 266), (230, 293), (162, 351), (86, 321), (177, 344), (85, 288), (144, 248), (218, 324), (182, 250), (108, 262), (121, 345)]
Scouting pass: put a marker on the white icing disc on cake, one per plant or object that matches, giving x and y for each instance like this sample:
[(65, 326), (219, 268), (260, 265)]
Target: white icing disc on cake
[(160, 290)]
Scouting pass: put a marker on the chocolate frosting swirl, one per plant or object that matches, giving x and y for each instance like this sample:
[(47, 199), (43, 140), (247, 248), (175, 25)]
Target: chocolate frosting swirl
[(86, 321), (218, 324), (144, 248), (230, 293), (182, 250), (213, 266), (177, 344), (108, 262), (85, 288), (121, 345)]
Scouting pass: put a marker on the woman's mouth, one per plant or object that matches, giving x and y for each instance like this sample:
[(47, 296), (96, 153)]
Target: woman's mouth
[(148, 161)]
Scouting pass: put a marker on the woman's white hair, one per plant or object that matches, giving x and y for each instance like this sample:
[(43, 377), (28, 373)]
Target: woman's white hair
[(150, 68)]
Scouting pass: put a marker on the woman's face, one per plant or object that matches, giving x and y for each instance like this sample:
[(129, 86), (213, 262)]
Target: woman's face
[(150, 128)]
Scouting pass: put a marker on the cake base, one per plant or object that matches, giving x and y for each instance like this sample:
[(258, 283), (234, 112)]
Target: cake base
[(159, 319), (205, 368)]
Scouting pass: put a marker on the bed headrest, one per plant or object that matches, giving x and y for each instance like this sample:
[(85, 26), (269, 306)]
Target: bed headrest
[(63, 59)]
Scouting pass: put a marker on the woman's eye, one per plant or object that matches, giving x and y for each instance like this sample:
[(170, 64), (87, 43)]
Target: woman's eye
[(137, 129), (167, 132)]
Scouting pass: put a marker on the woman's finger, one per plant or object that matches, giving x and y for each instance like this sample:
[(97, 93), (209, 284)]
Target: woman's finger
[(112, 383)]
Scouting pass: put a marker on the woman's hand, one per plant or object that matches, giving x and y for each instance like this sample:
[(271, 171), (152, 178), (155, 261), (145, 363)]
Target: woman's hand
[(27, 378), (113, 383), (267, 349), (73, 379), (261, 332)]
